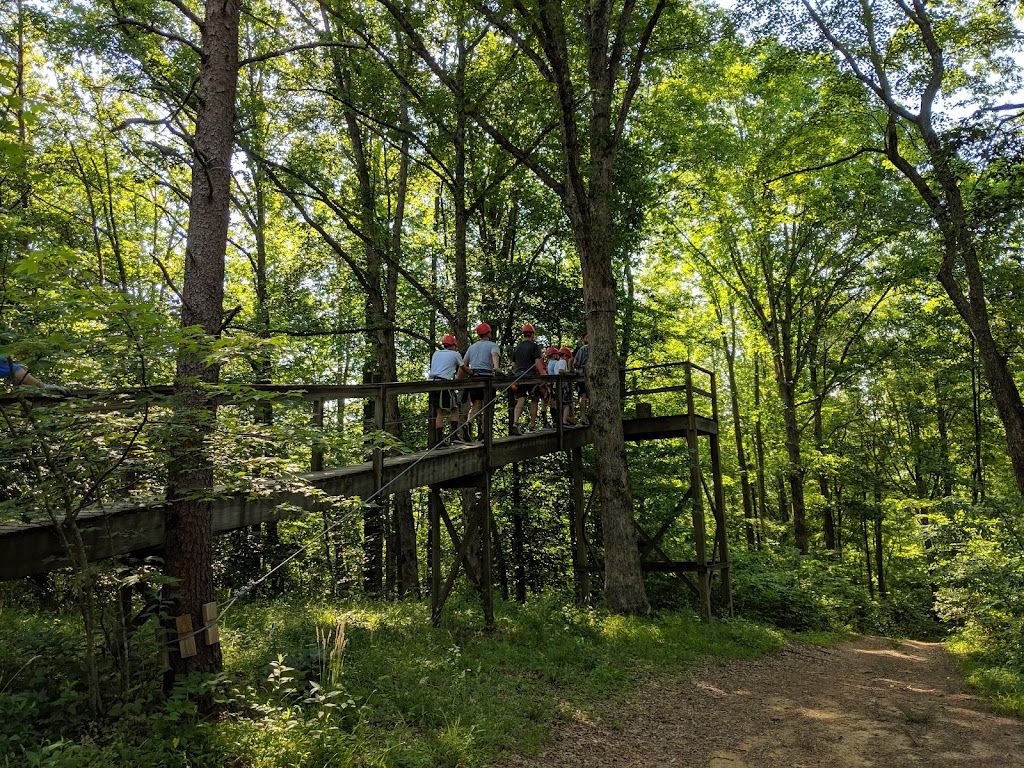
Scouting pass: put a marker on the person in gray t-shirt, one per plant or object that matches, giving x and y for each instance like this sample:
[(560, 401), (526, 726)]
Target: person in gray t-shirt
[(480, 361)]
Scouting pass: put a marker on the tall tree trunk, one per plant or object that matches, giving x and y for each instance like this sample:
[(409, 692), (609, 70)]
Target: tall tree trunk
[(867, 546), (404, 521), (190, 473), (978, 473), (828, 516), (588, 204), (794, 466), (729, 346), (762, 509), (461, 211), (879, 552)]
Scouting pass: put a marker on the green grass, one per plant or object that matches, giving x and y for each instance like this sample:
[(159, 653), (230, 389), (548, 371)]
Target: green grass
[(401, 693), (991, 670)]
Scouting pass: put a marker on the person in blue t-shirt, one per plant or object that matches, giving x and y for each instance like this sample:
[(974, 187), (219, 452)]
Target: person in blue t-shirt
[(12, 373), (15, 373)]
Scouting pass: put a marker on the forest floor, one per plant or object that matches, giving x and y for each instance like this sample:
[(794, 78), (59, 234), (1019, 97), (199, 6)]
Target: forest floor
[(870, 702)]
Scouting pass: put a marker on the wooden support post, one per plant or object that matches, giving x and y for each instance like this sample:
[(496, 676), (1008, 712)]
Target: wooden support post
[(316, 457), (462, 556), (518, 533), (186, 637), (434, 498), (644, 410), (580, 566), (721, 531), (211, 633), (483, 518), (699, 529), (378, 450)]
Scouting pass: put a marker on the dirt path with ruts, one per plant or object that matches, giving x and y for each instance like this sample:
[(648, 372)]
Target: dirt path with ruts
[(868, 703)]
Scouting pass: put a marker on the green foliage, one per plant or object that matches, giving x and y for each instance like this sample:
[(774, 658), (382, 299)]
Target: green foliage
[(316, 685), (808, 594), (979, 565)]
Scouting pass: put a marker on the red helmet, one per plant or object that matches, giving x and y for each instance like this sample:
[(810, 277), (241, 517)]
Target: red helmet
[(565, 351), (483, 329), (550, 351), (448, 341), (527, 328)]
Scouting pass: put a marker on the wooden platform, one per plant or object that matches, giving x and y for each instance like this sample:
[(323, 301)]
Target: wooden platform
[(27, 549)]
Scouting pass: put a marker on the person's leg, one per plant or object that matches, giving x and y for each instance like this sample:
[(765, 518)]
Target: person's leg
[(474, 409), (518, 412), (533, 411)]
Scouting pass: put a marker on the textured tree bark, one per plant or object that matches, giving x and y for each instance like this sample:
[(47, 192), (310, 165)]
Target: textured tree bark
[(587, 203), (729, 347), (190, 473), (879, 552), (794, 466)]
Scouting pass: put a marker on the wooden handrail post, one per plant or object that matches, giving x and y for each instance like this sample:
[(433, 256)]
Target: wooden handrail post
[(486, 417)]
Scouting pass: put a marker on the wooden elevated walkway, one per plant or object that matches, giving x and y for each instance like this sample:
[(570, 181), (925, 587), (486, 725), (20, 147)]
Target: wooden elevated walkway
[(137, 527), (27, 549)]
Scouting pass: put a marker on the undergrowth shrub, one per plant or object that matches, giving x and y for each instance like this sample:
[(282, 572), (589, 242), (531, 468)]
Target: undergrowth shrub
[(979, 570), (803, 593)]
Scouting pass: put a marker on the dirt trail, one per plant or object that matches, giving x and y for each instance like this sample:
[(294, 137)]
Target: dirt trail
[(868, 703)]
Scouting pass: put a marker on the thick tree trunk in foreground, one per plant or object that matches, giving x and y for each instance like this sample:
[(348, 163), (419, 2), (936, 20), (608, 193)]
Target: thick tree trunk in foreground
[(729, 347), (190, 474), (587, 200)]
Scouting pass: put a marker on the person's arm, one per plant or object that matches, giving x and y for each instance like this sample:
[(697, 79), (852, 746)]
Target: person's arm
[(495, 359), (538, 366), (22, 376)]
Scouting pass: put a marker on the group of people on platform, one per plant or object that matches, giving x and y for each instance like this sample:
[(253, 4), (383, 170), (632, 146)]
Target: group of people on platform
[(483, 360)]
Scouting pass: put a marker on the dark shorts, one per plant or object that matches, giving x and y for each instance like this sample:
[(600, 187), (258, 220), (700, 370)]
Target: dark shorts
[(476, 395), (445, 399), (533, 391)]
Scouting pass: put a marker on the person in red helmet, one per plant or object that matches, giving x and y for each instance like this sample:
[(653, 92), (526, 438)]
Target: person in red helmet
[(481, 361), (526, 361), (444, 366)]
